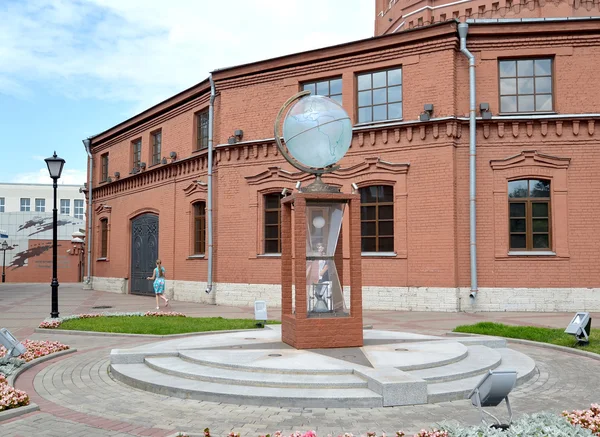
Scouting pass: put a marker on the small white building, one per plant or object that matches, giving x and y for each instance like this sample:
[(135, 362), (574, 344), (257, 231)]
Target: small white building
[(39, 198)]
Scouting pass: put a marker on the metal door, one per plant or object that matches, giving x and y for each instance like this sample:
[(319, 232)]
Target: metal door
[(144, 252)]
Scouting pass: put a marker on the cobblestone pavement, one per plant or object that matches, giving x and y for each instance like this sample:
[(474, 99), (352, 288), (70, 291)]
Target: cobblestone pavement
[(77, 396)]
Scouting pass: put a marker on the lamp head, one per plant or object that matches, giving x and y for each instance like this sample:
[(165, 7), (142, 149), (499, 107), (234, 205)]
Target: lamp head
[(55, 166)]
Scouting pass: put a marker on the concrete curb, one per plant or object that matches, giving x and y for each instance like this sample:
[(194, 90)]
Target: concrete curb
[(19, 411), (569, 350), (13, 377), (119, 334)]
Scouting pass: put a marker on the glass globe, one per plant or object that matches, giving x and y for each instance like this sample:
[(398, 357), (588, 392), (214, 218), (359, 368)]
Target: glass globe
[(317, 131)]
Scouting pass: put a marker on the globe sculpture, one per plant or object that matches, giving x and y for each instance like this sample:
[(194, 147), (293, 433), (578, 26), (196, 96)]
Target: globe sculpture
[(317, 133)]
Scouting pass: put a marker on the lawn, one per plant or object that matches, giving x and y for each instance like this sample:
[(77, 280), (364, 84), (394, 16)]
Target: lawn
[(158, 325), (543, 335)]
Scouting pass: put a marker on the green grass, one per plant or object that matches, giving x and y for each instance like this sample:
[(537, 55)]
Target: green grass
[(543, 335), (158, 325)]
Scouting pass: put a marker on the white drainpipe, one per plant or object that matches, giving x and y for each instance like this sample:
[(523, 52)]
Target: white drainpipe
[(463, 29), (211, 112), (89, 239)]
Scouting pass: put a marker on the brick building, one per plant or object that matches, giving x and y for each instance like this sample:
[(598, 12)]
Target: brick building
[(536, 169)]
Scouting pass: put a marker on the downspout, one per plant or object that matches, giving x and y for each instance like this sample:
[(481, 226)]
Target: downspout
[(463, 29), (89, 239), (211, 112)]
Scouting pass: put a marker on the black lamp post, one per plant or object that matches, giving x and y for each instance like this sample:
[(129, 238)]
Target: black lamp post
[(4, 248), (55, 166)]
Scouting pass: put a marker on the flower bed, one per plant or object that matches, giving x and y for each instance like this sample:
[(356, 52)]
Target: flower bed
[(588, 419), (52, 323), (37, 349), (10, 397), (578, 423)]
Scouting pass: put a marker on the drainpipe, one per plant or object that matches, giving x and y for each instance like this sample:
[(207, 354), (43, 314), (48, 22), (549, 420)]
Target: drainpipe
[(463, 29), (89, 239), (211, 112)]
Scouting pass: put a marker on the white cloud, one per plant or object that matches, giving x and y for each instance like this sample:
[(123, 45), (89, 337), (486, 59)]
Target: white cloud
[(142, 51), (68, 177)]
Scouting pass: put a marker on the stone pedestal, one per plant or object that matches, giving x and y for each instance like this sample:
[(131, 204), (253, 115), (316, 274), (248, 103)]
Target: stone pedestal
[(319, 318)]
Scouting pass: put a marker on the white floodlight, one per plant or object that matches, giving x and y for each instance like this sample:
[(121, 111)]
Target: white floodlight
[(13, 346), (260, 311), (491, 390), (580, 327)]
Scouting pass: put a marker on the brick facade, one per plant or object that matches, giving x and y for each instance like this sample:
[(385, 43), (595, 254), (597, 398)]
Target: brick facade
[(426, 163)]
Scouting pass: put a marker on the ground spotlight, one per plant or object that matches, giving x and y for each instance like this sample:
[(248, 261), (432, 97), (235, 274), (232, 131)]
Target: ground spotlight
[(13, 346), (491, 390), (580, 327)]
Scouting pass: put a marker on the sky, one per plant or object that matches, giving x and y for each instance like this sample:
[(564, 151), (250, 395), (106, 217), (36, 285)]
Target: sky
[(70, 69)]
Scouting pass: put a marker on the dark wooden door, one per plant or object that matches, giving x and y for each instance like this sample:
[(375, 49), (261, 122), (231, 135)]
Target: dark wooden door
[(144, 252)]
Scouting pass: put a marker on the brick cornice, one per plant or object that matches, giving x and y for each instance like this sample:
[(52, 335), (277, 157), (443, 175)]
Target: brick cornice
[(530, 157), (370, 165), (368, 45)]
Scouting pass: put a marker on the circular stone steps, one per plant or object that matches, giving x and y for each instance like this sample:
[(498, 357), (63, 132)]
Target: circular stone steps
[(184, 369), (392, 368)]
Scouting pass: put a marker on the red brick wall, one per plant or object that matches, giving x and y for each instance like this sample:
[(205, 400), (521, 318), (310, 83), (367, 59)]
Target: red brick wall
[(39, 267), (429, 163), (389, 15)]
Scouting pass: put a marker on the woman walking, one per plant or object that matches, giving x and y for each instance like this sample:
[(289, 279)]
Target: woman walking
[(158, 275)]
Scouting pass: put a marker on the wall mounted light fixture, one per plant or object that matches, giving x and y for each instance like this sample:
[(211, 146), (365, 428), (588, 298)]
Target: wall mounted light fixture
[(485, 111), (428, 112)]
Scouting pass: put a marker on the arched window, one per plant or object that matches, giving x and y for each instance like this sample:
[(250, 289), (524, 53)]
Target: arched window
[(199, 228), (104, 238), (529, 214), (377, 218), (272, 234)]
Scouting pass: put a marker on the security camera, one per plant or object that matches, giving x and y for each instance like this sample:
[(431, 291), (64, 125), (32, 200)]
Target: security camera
[(354, 186), (298, 185), (284, 192)]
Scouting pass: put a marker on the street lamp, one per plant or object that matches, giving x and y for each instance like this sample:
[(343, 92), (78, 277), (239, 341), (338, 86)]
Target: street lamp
[(4, 248), (55, 166), (78, 248)]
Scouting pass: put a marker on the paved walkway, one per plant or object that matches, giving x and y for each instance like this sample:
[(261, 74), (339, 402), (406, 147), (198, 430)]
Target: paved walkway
[(77, 396)]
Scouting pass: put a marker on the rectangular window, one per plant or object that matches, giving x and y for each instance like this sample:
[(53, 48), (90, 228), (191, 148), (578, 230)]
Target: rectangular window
[(103, 238), (525, 85), (40, 205), (104, 168), (65, 206), (1, 204), (25, 204), (156, 145), (78, 208), (272, 208), (202, 130), (136, 153), (199, 228), (377, 218), (529, 214), (380, 96), (331, 88)]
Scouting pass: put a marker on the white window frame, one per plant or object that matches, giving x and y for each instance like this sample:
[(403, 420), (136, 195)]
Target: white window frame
[(75, 208), (25, 206), (67, 209)]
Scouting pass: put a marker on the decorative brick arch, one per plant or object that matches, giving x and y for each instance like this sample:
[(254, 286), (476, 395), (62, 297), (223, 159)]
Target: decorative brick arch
[(372, 171), (530, 164)]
